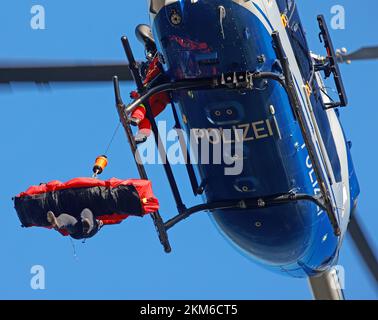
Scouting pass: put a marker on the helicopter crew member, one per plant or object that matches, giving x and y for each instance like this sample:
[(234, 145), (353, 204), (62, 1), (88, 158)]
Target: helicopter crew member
[(157, 102)]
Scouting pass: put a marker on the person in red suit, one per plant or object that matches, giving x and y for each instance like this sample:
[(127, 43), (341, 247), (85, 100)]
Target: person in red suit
[(157, 102)]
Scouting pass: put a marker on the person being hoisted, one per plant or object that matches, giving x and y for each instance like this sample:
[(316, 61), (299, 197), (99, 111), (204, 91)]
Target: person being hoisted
[(80, 207), (157, 102)]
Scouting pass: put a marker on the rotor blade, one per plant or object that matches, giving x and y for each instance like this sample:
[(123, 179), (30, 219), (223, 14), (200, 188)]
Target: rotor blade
[(367, 53), (363, 246), (64, 72)]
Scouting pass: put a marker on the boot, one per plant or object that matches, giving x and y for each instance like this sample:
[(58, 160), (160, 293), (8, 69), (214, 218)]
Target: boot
[(52, 220), (86, 226), (140, 138)]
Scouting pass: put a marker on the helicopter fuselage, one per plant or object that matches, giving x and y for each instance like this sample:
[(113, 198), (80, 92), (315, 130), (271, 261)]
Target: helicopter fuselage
[(200, 39)]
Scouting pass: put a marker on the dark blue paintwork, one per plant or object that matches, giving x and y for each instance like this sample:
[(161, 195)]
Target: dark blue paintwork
[(295, 239)]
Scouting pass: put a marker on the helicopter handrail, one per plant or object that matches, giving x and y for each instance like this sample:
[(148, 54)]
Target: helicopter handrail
[(203, 84), (248, 203), (170, 86)]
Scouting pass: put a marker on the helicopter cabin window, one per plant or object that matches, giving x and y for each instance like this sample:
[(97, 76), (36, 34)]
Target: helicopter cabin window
[(297, 37)]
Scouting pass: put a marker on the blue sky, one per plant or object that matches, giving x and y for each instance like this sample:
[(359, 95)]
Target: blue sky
[(57, 133)]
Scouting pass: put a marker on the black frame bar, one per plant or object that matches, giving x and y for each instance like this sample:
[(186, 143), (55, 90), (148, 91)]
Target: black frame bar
[(141, 89), (294, 99), (331, 65), (156, 217), (188, 164)]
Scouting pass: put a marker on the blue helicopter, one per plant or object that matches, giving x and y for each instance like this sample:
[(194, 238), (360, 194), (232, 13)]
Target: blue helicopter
[(247, 68)]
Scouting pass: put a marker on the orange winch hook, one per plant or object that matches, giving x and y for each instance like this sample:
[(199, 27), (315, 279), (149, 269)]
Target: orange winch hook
[(100, 165)]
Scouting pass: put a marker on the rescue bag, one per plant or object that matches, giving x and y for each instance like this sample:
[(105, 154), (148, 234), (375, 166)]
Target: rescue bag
[(110, 201)]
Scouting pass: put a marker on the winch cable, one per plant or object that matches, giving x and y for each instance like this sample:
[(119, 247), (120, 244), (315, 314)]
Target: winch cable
[(112, 138), (102, 161)]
